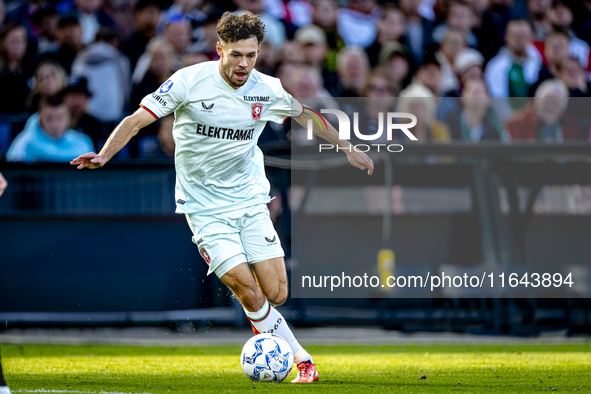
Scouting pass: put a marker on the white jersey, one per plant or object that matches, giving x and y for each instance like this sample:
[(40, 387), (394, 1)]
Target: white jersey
[(219, 166)]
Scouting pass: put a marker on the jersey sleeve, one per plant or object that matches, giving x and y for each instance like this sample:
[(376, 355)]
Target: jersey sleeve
[(167, 98), (283, 107)]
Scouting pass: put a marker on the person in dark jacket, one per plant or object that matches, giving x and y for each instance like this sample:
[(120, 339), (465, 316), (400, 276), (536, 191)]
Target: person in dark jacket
[(76, 96), (15, 70), (147, 13)]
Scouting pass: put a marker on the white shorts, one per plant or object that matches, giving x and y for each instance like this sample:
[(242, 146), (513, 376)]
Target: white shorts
[(228, 239)]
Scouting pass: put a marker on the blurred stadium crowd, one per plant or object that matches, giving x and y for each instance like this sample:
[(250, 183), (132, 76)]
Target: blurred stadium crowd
[(72, 69)]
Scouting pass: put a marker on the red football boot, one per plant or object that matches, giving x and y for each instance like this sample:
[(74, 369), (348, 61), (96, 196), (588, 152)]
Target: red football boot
[(307, 373)]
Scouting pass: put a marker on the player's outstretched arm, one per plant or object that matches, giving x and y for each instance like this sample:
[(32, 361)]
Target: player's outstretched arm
[(327, 132), (117, 140)]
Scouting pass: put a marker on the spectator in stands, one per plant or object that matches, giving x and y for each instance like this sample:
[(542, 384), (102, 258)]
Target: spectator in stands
[(560, 17), (312, 42), (308, 85), (267, 59), (429, 75), (379, 90), (582, 19), (460, 16), (537, 15), (275, 30), (160, 57), (122, 14), (555, 52), (207, 38), (24, 14), (418, 29), (475, 120), (398, 62), (191, 9), (91, 17), (285, 72), (69, 39), (357, 23), (325, 17), (47, 136), (453, 42), (391, 28), (514, 69), (146, 13), (493, 28), (107, 71), (76, 96), (543, 119), (49, 79), (420, 101), (178, 33), (353, 69), (572, 74), (468, 64), (191, 58), (15, 70), (48, 24)]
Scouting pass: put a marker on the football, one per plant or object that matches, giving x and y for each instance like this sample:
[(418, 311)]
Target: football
[(266, 358)]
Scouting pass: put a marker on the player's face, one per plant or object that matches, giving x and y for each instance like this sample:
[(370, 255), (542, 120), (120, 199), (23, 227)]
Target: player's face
[(237, 60)]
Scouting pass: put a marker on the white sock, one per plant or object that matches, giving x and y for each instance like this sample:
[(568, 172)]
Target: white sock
[(4, 390), (268, 319)]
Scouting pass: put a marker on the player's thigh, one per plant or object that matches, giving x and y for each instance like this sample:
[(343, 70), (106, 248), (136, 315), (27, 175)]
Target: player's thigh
[(272, 278), (218, 240), (259, 238)]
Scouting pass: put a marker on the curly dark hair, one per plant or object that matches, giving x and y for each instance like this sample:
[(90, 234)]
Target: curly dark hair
[(236, 26)]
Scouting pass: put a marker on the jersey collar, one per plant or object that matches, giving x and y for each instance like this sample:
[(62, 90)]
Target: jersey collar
[(222, 82)]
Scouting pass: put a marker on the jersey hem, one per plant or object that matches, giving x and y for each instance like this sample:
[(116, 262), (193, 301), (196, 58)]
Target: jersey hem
[(228, 208), (303, 109), (150, 112)]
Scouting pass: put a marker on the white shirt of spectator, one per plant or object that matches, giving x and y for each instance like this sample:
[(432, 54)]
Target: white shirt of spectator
[(219, 166)]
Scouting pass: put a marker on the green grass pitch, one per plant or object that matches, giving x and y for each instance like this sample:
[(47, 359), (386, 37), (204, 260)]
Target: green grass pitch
[(351, 369)]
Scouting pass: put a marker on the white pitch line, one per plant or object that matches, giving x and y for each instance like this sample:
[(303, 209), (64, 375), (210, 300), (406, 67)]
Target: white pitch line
[(72, 391)]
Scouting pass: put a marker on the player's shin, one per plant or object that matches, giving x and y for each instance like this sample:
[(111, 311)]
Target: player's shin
[(268, 319)]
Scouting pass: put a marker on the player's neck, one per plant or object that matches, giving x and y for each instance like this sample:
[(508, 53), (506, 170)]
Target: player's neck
[(226, 78)]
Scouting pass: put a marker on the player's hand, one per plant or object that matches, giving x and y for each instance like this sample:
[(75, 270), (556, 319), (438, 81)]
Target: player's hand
[(360, 160), (3, 184), (89, 160)]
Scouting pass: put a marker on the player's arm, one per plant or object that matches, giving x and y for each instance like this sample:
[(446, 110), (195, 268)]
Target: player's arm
[(117, 140), (323, 129)]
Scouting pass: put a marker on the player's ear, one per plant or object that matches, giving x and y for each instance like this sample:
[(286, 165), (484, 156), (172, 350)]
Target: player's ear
[(218, 48)]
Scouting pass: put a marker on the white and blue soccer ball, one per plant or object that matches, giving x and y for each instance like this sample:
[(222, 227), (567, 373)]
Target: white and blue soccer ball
[(267, 358)]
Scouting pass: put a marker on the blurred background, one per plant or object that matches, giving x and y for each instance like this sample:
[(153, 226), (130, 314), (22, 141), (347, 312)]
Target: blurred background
[(500, 174)]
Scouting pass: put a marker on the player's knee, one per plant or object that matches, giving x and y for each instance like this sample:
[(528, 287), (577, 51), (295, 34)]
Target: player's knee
[(251, 299), (278, 297)]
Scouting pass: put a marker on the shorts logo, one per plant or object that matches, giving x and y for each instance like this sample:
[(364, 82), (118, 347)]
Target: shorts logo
[(179, 201), (205, 256), (257, 109), (166, 86), (199, 241), (271, 241)]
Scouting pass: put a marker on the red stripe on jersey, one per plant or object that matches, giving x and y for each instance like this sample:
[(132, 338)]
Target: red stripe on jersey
[(151, 113), (293, 116)]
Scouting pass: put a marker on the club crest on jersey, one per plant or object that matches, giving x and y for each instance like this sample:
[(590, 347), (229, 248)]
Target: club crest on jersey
[(166, 86), (205, 256), (257, 110)]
